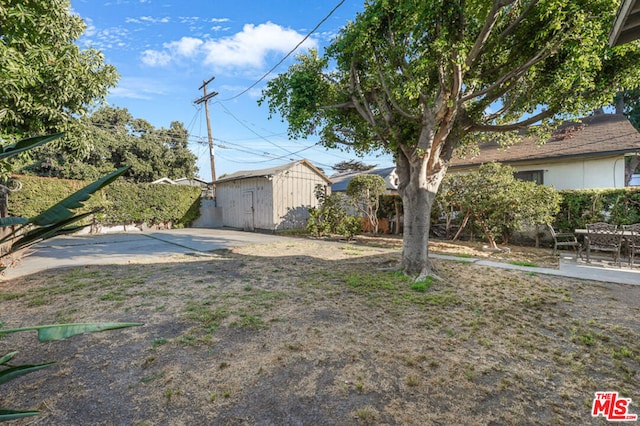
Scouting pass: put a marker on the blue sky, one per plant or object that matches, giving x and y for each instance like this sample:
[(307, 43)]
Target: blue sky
[(165, 49)]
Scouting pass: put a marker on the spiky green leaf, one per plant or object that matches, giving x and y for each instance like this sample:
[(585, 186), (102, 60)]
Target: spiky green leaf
[(62, 331), (7, 357), (12, 221), (36, 235), (20, 370), (6, 415), (26, 144)]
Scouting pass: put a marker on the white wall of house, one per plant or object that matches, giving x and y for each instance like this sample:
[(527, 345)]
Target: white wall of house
[(582, 174)]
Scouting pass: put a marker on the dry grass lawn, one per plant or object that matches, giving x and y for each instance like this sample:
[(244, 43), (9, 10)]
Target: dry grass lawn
[(320, 333)]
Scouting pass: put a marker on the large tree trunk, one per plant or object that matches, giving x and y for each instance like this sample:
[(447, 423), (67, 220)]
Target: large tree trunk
[(418, 191)]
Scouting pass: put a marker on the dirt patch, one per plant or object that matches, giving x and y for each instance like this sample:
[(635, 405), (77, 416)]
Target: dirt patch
[(310, 332)]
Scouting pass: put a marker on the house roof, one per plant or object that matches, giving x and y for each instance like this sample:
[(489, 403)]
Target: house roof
[(247, 174), (626, 26), (596, 136), (182, 181), (192, 181), (164, 180), (341, 180)]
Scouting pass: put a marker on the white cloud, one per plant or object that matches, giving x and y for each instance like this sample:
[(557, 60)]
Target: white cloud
[(155, 58), (153, 20), (91, 29), (107, 38), (186, 46), (136, 88), (249, 47), (246, 49)]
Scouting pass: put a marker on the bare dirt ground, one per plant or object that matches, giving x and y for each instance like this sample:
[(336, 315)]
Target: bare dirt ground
[(319, 333)]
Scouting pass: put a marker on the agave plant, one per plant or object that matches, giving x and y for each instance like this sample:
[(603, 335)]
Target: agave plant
[(56, 220), (46, 333)]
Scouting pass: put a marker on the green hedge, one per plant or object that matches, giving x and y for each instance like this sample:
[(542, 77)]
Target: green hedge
[(579, 207), (122, 202)]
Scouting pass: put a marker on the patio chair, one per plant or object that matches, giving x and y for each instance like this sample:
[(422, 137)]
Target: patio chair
[(565, 239), (632, 238), (603, 237)]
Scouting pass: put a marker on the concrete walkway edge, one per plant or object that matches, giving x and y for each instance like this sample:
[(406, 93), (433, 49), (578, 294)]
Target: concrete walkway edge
[(568, 267)]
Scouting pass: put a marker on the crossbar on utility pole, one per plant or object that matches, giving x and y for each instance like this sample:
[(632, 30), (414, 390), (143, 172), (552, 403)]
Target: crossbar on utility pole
[(205, 99)]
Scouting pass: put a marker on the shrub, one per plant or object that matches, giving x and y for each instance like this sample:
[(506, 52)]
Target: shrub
[(332, 217), (579, 207), (493, 199), (121, 202)]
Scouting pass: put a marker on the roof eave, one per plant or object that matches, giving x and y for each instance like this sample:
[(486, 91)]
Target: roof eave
[(626, 26)]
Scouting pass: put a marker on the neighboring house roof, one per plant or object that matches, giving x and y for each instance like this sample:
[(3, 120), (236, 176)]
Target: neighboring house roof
[(596, 136), (626, 26), (341, 180), (164, 180), (191, 182), (266, 173), (182, 181)]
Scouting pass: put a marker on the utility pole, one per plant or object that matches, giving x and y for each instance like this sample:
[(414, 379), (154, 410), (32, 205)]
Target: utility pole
[(205, 99)]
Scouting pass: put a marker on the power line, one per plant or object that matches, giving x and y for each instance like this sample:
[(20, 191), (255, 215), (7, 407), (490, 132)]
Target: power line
[(253, 131), (287, 55)]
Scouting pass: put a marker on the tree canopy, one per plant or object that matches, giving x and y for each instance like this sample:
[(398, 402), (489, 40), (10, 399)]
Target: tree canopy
[(119, 139), (46, 77), (422, 78), (365, 191), (352, 166)]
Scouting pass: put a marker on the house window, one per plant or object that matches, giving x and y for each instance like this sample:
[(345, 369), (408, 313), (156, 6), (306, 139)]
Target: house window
[(536, 176)]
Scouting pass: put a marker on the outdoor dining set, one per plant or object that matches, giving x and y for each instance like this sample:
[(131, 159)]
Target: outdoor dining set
[(623, 240)]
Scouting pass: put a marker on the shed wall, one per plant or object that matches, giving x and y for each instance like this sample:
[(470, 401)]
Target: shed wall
[(293, 194), (231, 199)]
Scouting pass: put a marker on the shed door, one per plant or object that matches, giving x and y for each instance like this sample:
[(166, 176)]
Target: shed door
[(247, 205)]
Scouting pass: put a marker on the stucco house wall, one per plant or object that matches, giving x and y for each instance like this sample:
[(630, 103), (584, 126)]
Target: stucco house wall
[(586, 154), (581, 174)]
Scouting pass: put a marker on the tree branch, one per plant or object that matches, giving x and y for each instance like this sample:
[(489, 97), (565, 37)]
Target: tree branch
[(513, 75), (482, 38), (511, 127), (347, 104), (519, 19), (361, 105), (394, 104)]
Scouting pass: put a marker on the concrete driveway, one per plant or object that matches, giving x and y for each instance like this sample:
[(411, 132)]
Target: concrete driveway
[(145, 247), (122, 248)]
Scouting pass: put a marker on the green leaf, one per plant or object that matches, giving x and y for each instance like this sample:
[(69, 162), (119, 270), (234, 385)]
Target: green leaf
[(63, 210), (27, 144), (20, 370), (62, 331), (6, 415), (34, 236), (12, 221), (7, 357)]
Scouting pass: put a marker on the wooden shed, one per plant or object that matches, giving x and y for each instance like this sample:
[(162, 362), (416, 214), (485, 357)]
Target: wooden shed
[(271, 199)]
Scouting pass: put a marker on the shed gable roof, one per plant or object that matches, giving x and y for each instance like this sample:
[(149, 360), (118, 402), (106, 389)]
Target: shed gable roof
[(272, 171), (595, 136)]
